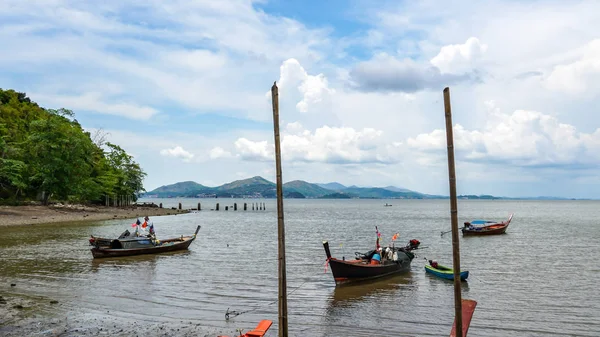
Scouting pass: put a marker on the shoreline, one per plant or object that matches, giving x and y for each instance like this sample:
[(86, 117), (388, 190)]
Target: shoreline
[(36, 215)]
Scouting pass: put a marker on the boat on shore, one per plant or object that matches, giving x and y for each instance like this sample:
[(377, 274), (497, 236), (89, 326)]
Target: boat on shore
[(484, 227), (138, 245), (444, 272), (374, 264)]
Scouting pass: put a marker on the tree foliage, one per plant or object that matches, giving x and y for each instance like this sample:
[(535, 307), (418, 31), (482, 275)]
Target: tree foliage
[(45, 154)]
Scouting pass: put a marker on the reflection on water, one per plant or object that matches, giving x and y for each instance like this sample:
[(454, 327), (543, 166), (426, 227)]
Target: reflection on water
[(346, 294), (233, 264)]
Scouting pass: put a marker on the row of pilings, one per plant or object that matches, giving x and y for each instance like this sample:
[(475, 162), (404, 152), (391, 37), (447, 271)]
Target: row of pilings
[(256, 206)]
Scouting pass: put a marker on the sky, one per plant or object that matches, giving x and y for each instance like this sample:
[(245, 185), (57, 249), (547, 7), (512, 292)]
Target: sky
[(184, 87)]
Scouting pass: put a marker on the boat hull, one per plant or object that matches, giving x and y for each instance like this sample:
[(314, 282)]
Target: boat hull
[(355, 270), (492, 229), (168, 245), (100, 252), (488, 230), (446, 274)]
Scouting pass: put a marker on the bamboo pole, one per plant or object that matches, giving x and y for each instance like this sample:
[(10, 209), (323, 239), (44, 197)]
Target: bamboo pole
[(453, 214), (283, 319)]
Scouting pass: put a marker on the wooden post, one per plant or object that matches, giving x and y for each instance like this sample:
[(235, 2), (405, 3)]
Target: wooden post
[(283, 319), (264, 206), (217, 207), (252, 206), (245, 206), (199, 206), (226, 208), (453, 214), (160, 206), (235, 206), (180, 206)]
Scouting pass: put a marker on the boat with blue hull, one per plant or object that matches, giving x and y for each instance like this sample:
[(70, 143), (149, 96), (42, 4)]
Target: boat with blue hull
[(445, 272)]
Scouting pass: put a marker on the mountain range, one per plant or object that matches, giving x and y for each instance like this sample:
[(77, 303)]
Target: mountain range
[(259, 187)]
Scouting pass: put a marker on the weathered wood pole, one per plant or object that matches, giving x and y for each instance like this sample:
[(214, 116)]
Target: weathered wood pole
[(226, 208), (179, 206), (252, 206), (453, 214), (235, 206), (199, 207), (245, 206), (283, 317), (264, 206), (217, 207)]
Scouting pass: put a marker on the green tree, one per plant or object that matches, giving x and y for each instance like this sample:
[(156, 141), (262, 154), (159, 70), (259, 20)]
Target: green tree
[(126, 174), (61, 156)]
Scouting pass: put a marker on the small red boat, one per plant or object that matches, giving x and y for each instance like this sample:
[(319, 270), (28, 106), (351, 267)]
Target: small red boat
[(260, 330), (483, 227)]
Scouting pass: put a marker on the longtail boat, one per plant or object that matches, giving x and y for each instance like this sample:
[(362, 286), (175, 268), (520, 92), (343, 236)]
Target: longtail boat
[(139, 245), (374, 264), (483, 227), (260, 330), (445, 272)]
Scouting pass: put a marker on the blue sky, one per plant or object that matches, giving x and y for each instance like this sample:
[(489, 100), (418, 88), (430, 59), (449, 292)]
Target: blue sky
[(184, 87)]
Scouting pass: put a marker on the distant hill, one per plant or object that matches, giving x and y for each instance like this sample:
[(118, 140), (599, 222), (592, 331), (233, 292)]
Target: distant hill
[(332, 186), (382, 193), (259, 187), (397, 189), (182, 188), (307, 189)]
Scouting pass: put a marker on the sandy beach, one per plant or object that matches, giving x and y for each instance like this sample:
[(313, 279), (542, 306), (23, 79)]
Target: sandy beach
[(32, 215)]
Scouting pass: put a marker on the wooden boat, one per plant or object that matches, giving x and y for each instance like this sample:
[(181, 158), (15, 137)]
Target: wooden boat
[(369, 265), (141, 245), (483, 227), (468, 308), (260, 330), (445, 272)]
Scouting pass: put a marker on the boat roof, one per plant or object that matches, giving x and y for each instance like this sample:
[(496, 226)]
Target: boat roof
[(481, 222)]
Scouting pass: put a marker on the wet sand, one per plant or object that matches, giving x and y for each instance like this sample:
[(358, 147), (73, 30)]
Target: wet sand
[(32, 215), (32, 316)]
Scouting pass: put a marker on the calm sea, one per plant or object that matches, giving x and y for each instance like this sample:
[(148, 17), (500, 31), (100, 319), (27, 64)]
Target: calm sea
[(537, 280)]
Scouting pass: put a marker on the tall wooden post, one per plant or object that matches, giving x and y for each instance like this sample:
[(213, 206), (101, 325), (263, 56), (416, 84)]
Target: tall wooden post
[(283, 319), (453, 214)]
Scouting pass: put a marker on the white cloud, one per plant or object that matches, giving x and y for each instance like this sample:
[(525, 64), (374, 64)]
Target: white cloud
[(334, 145), (523, 138), (459, 58), (93, 101), (313, 88), (177, 152), (580, 76), (219, 152), (387, 73), (250, 150)]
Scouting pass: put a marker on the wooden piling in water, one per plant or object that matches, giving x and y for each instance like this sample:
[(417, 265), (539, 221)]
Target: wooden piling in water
[(245, 206), (226, 208), (217, 207), (235, 206), (160, 205), (179, 207), (252, 206), (453, 214), (283, 316)]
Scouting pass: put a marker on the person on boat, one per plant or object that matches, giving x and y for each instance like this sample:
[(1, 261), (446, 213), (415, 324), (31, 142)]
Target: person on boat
[(434, 264)]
